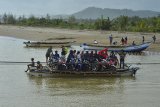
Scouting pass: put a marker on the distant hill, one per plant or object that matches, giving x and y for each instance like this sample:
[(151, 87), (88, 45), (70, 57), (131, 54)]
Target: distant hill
[(94, 13)]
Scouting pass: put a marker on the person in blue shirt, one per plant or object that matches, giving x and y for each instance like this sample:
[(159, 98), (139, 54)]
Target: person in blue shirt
[(56, 56)]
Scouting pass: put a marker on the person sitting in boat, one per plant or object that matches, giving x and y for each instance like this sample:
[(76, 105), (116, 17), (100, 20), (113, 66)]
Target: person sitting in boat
[(122, 55), (31, 65), (48, 53), (39, 65)]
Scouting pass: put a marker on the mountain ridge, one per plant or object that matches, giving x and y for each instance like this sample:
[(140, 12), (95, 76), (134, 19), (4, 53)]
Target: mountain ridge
[(95, 12)]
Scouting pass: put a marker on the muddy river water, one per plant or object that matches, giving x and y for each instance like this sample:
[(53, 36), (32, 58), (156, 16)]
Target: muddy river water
[(17, 89)]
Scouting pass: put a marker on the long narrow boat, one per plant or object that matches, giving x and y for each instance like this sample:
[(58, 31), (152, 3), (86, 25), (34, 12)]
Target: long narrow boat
[(132, 48), (48, 72), (47, 44)]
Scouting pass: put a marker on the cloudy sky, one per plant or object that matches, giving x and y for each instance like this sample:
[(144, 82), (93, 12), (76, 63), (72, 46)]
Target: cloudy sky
[(54, 7)]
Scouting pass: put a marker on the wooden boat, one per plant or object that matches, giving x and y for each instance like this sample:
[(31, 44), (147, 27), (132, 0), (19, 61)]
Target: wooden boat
[(132, 48), (48, 72), (47, 44)]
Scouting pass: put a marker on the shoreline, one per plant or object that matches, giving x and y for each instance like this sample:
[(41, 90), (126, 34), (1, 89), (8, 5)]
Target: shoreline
[(80, 36)]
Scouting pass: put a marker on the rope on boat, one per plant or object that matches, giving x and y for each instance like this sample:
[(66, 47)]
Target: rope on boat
[(18, 62)]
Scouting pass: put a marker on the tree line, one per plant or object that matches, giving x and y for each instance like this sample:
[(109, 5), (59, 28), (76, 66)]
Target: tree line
[(121, 23)]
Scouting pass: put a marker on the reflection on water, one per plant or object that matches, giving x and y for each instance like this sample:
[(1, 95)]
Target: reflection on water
[(20, 90), (74, 86)]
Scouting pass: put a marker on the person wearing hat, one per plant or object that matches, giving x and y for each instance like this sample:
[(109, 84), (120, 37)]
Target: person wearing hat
[(122, 55), (31, 65)]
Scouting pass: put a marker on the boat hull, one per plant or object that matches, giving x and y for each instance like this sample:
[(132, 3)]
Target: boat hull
[(136, 48), (58, 73), (47, 44)]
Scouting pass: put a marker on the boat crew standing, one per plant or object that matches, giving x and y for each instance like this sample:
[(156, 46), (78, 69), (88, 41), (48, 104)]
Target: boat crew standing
[(122, 56), (49, 51)]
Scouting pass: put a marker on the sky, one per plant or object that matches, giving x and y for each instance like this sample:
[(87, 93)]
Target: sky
[(56, 7)]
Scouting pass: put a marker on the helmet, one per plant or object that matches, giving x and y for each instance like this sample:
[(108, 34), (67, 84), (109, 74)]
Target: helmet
[(32, 59), (38, 62)]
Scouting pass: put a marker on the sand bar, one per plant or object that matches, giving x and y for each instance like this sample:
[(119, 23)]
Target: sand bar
[(80, 36)]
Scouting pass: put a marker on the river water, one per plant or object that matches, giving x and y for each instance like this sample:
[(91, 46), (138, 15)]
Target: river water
[(17, 89)]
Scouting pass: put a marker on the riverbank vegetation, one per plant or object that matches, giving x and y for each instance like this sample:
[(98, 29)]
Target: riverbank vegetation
[(122, 23)]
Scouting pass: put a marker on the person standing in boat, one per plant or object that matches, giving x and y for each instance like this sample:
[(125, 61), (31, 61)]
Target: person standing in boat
[(31, 65), (48, 53), (122, 56)]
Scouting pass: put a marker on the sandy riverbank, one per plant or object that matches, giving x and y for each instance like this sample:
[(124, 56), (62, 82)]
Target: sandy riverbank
[(80, 36)]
